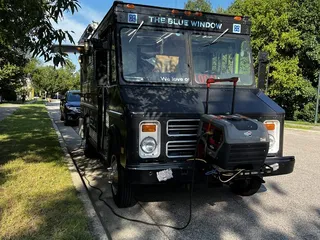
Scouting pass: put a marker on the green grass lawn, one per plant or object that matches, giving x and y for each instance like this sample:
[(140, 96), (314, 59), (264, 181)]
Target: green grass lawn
[(301, 125), (37, 197)]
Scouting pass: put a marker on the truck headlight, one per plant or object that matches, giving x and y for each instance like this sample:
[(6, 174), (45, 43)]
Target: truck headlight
[(149, 139), (148, 144), (272, 141), (273, 127)]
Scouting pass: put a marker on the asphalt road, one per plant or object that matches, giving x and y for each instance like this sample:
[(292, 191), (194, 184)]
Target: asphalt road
[(286, 207), (7, 109)]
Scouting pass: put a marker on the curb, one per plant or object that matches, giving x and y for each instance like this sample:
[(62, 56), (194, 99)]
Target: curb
[(98, 230)]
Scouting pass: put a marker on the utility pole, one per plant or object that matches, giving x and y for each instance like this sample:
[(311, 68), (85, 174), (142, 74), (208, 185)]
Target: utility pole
[(317, 105)]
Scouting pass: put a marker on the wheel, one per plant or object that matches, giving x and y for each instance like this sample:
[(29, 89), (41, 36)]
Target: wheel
[(66, 122), (61, 117), (122, 190), (89, 150), (246, 187)]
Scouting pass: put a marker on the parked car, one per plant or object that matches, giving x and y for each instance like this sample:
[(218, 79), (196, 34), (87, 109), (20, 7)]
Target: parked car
[(70, 107)]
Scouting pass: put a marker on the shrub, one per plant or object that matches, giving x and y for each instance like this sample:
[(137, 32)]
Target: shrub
[(307, 113)]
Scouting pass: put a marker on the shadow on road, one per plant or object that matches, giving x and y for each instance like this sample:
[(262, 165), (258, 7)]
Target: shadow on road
[(217, 213)]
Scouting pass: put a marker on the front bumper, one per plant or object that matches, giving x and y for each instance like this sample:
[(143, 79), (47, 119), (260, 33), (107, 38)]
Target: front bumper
[(72, 116), (146, 173), (283, 165)]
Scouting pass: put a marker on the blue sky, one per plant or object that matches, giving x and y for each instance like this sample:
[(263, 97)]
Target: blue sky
[(95, 10)]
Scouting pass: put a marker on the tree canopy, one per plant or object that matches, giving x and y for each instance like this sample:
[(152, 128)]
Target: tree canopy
[(306, 19), (198, 5), (289, 30), (28, 26), (26, 29), (277, 29), (51, 79), (12, 62)]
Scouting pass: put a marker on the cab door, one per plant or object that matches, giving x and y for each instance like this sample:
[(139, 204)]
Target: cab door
[(102, 76)]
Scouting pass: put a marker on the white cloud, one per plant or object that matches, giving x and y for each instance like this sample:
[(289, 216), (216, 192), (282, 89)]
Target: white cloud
[(90, 14), (69, 24), (79, 21)]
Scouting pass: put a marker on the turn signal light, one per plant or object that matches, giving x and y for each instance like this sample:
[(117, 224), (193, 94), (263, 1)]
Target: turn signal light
[(237, 18), (174, 11), (149, 128), (188, 13), (270, 126), (130, 6)]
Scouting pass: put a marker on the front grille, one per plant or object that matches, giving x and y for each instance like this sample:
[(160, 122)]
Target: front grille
[(255, 152), (182, 127), (181, 148)]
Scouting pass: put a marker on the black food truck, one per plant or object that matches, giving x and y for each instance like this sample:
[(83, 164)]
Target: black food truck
[(166, 93)]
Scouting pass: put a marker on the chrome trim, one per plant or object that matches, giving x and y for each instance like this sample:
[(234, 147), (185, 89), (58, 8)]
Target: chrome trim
[(188, 147), (182, 127), (114, 112)]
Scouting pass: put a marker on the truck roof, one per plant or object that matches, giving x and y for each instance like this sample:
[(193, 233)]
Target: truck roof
[(135, 14)]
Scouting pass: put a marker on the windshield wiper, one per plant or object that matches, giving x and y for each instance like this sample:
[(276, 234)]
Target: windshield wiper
[(136, 30), (214, 41)]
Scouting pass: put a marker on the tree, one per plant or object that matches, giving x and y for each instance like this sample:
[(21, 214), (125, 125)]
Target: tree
[(51, 79), (27, 25), (11, 70), (203, 6), (306, 19), (272, 31), (198, 5)]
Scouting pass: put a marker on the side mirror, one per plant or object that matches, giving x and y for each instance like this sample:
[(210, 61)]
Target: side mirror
[(263, 61)]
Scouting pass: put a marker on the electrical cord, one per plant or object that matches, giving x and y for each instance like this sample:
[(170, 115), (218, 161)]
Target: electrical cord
[(83, 175), (136, 220), (228, 180), (196, 159)]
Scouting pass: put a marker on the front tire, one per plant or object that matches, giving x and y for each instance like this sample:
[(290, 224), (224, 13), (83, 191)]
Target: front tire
[(89, 150), (61, 116), (246, 187), (122, 190), (66, 122)]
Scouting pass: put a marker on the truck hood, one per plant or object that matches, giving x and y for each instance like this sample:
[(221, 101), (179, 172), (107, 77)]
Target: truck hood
[(181, 100)]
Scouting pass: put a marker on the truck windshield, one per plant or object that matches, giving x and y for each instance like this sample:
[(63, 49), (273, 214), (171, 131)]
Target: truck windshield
[(154, 56), (160, 56), (227, 57), (73, 97)]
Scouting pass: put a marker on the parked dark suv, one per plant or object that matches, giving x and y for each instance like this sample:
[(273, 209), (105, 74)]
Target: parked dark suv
[(70, 107)]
